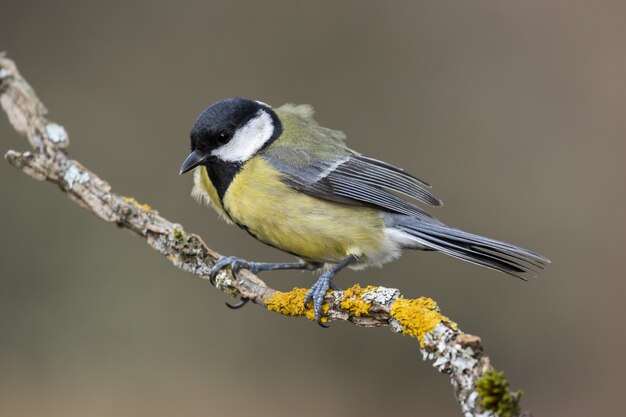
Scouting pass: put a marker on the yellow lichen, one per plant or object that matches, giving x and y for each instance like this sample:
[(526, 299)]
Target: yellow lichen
[(131, 200), (291, 303), (178, 234), (353, 300), (495, 394), (418, 317)]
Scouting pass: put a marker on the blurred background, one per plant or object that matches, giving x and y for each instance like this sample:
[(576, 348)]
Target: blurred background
[(513, 110)]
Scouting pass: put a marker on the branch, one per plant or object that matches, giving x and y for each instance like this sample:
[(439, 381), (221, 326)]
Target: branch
[(479, 389)]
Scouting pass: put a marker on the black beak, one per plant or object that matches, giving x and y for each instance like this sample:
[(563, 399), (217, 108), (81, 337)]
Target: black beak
[(193, 160)]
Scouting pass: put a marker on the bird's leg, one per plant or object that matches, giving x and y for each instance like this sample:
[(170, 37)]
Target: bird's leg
[(255, 267), (323, 284)]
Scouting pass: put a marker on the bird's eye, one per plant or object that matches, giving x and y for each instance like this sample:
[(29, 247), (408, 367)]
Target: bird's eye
[(223, 137)]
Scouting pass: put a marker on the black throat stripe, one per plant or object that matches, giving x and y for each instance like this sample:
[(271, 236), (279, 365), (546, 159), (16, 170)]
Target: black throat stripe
[(221, 175)]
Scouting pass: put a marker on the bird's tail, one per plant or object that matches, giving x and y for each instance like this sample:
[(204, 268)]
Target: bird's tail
[(469, 247)]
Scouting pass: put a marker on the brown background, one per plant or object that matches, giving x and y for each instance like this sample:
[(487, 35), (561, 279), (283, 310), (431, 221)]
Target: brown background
[(513, 110)]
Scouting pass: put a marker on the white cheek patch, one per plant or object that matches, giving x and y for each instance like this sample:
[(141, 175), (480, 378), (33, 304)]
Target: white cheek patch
[(247, 140)]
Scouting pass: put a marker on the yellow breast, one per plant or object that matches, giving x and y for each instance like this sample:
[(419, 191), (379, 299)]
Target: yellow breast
[(205, 192), (311, 228)]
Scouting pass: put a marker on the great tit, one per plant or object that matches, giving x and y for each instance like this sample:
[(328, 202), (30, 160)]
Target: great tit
[(296, 186)]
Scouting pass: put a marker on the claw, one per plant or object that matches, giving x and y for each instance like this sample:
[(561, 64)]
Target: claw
[(235, 264), (239, 264), (317, 293), (242, 302), (221, 263), (323, 284)]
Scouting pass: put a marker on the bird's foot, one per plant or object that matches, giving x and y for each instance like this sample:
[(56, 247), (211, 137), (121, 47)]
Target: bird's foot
[(255, 267), (317, 292), (235, 264), (323, 284)]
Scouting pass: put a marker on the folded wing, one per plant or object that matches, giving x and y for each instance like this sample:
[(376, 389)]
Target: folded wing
[(357, 180)]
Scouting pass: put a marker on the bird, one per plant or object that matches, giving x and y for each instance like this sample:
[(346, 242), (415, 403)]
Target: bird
[(296, 186)]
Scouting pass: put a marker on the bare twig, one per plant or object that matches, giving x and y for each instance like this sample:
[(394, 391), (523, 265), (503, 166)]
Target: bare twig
[(479, 389)]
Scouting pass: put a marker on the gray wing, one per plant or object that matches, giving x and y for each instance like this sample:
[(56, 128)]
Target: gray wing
[(357, 180)]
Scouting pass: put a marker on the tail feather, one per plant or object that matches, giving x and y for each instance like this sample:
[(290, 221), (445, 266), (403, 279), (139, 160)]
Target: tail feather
[(472, 248)]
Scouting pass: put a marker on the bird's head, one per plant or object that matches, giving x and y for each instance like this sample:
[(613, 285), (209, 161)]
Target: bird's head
[(232, 131)]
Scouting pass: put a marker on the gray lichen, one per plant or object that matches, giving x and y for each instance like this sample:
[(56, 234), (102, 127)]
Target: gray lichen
[(74, 175), (396, 327), (380, 295), (454, 358), (57, 134)]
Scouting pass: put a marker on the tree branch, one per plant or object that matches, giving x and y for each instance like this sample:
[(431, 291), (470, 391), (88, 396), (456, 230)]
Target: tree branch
[(479, 389)]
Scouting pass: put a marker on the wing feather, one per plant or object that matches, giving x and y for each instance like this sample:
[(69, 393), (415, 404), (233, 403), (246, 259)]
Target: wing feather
[(377, 173), (373, 195), (356, 180)]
